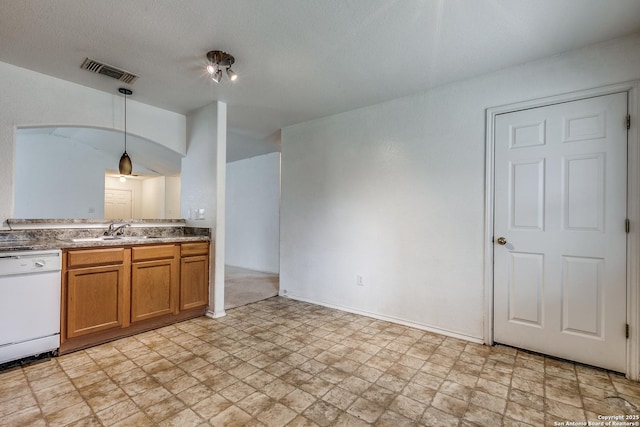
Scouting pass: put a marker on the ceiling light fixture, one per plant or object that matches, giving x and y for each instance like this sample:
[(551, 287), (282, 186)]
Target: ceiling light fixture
[(218, 60), (125, 162)]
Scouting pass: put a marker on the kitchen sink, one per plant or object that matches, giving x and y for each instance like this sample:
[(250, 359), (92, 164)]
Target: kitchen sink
[(93, 239), (107, 238), (131, 237)]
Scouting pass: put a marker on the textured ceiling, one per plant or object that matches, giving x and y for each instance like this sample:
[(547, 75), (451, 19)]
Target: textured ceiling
[(297, 59)]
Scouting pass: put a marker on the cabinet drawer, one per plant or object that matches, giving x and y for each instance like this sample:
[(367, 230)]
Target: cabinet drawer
[(93, 257), (142, 253), (190, 249)]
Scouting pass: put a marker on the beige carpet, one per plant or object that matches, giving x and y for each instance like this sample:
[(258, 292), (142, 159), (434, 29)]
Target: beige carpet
[(243, 286)]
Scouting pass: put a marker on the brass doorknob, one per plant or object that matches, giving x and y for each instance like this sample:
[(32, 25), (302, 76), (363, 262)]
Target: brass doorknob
[(501, 241)]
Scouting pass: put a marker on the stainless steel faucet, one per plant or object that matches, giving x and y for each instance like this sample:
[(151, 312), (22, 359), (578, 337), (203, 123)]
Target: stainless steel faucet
[(114, 230)]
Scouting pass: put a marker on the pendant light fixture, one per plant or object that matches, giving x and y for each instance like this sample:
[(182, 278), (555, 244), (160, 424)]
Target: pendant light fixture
[(125, 161)]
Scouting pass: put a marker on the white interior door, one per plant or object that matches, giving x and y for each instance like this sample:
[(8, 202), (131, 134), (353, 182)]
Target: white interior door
[(117, 204), (560, 204)]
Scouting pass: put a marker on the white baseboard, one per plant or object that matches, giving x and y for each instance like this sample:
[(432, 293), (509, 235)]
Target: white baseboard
[(215, 314), (391, 319)]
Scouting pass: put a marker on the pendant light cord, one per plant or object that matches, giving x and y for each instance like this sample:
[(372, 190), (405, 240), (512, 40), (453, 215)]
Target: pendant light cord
[(125, 92), (125, 166), (125, 122)]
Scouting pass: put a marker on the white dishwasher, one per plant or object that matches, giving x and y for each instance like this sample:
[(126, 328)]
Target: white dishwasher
[(29, 303)]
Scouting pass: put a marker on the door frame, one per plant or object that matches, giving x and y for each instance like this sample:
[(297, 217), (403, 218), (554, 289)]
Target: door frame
[(633, 210)]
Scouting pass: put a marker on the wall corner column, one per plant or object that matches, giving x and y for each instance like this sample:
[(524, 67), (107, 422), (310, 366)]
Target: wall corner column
[(221, 173), (202, 194)]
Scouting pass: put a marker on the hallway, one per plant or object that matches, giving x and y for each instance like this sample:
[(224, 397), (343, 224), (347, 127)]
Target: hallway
[(242, 286)]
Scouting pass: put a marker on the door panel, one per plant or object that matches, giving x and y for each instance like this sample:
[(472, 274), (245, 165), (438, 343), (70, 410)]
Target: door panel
[(527, 134), (117, 204), (583, 192), (525, 288), (582, 296), (526, 207), (560, 203), (584, 127)]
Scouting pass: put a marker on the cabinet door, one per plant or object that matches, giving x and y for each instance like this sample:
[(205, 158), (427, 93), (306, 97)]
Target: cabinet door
[(154, 289), (194, 282), (95, 299)]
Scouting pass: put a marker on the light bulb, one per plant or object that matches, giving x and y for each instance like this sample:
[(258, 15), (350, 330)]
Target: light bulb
[(231, 74), (210, 69), (217, 76)]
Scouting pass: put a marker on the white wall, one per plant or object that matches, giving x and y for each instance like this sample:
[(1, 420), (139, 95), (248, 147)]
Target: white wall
[(253, 213), (65, 178), (172, 197), (153, 197), (199, 167), (33, 99), (240, 146), (203, 187), (395, 192)]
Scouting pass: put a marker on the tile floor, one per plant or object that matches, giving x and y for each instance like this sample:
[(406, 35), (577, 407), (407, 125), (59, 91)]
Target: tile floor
[(283, 362)]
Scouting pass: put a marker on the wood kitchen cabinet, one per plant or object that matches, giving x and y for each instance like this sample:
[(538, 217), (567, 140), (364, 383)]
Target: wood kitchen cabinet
[(113, 292), (97, 283), (194, 275), (154, 281)]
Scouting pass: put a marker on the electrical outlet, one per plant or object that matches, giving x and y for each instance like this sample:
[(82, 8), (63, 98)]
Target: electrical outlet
[(359, 280)]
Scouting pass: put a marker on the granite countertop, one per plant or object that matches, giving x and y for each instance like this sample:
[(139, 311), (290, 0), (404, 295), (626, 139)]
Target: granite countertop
[(90, 235), (43, 244)]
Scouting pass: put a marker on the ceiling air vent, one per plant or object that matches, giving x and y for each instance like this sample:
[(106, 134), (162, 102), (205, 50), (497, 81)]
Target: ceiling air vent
[(108, 70)]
